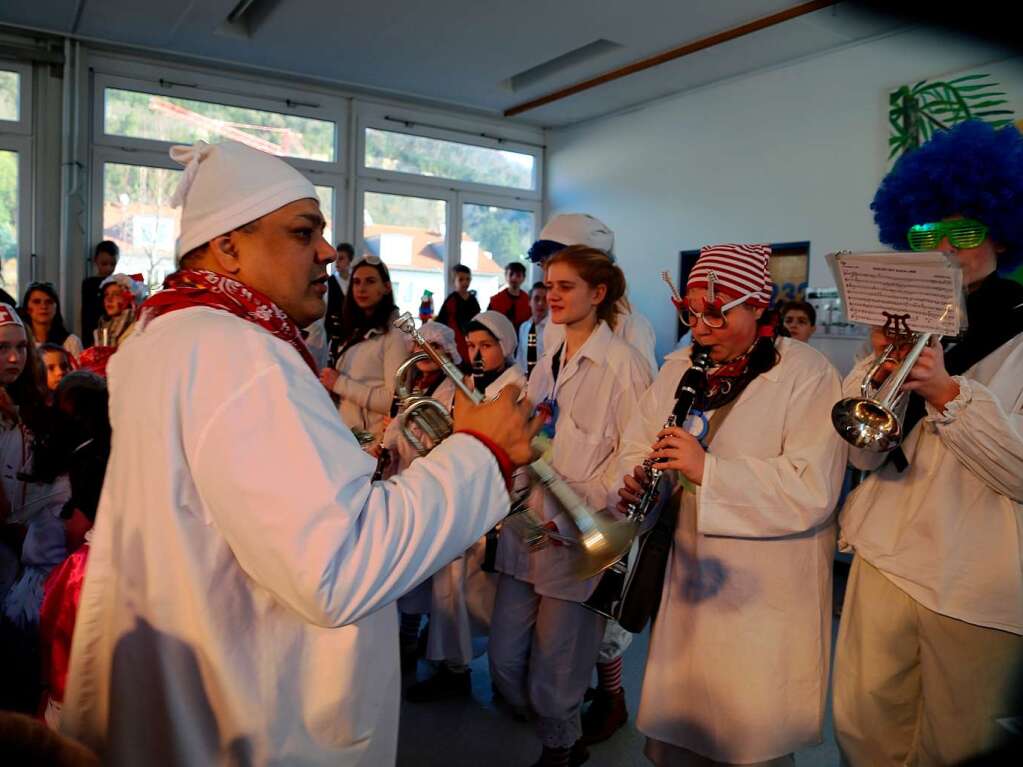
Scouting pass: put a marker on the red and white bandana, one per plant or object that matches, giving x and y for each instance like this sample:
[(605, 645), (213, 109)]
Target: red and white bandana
[(9, 316), (738, 269)]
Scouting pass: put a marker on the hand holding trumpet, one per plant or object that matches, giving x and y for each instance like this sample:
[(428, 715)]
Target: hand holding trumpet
[(928, 376)]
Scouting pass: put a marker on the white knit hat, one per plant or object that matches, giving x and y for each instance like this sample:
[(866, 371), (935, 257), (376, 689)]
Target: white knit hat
[(443, 336), (228, 185), (501, 328), (572, 229), (136, 287)]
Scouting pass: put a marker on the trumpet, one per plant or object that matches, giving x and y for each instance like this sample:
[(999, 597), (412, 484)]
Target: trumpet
[(871, 421), (602, 539), (610, 592), (429, 415)]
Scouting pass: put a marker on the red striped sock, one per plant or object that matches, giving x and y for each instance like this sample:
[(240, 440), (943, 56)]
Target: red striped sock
[(609, 675)]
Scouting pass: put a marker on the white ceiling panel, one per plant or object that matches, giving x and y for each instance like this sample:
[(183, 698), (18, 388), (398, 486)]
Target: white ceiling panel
[(461, 52)]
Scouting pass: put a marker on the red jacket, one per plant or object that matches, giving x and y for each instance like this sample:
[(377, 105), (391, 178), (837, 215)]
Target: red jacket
[(515, 309)]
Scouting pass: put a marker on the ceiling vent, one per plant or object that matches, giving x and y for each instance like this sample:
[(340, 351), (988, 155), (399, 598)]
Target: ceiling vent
[(246, 17), (548, 69)]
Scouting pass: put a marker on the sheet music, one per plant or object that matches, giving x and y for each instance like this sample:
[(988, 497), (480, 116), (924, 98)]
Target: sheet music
[(924, 288)]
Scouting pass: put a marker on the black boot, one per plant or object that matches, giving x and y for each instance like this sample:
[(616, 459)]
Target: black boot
[(560, 757), (443, 685), (605, 716)]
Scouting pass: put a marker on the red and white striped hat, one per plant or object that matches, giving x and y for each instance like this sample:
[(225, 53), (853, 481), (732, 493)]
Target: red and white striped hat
[(9, 316), (738, 269)]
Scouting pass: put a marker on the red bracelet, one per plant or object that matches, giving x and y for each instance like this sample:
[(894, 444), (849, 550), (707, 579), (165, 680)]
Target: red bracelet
[(504, 461)]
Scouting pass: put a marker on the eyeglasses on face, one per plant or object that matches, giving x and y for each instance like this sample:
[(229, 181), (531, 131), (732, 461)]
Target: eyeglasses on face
[(961, 233), (713, 316)]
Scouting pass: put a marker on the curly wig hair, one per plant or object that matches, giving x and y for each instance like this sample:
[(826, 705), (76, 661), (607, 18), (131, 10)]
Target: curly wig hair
[(973, 170)]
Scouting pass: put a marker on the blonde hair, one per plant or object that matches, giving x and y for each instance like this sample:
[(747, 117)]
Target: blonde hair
[(596, 268)]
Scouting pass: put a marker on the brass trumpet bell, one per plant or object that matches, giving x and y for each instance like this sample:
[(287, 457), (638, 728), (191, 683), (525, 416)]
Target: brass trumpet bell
[(604, 544)]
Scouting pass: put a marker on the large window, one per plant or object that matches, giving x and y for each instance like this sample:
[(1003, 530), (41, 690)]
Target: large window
[(408, 234), (135, 114), (492, 238), (425, 156), (9, 222), (10, 96)]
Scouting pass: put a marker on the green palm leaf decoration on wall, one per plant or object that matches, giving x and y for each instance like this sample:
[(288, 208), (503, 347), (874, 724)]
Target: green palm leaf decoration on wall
[(916, 112)]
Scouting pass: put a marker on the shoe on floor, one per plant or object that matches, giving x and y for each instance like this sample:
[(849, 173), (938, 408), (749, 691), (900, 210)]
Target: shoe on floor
[(443, 685), (555, 757), (605, 716)]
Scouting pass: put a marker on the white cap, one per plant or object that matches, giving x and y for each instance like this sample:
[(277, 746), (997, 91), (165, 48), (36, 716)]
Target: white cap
[(579, 229), (137, 288), (502, 329), (228, 185), (443, 336)]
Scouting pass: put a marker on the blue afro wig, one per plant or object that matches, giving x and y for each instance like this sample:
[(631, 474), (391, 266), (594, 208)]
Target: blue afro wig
[(973, 170)]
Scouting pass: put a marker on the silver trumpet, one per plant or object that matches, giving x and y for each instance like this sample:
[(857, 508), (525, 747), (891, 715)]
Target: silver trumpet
[(428, 414), (871, 421), (602, 541)]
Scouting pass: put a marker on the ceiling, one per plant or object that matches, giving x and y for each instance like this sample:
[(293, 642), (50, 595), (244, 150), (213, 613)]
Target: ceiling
[(463, 53)]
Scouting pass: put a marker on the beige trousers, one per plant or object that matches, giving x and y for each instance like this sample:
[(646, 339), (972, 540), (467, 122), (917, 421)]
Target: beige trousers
[(667, 755), (913, 687)]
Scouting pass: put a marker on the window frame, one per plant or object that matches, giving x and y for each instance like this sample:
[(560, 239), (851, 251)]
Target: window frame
[(497, 201), (23, 125), (396, 120)]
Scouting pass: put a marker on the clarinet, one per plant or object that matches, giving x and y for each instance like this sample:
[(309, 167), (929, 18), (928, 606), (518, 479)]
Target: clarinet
[(611, 591)]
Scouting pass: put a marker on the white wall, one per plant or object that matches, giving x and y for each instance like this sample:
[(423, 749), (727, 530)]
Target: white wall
[(792, 153)]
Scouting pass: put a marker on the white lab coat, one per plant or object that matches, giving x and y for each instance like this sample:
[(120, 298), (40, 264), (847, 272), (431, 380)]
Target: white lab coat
[(238, 602), (738, 663), (366, 381), (949, 530), (596, 392), (632, 327)]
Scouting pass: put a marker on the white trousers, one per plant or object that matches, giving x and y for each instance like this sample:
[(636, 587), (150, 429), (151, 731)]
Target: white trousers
[(542, 652)]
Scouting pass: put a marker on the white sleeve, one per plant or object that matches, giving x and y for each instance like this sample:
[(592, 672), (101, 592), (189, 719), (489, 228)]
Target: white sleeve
[(377, 397), (73, 345), (296, 505), (984, 437), (639, 333), (796, 491)]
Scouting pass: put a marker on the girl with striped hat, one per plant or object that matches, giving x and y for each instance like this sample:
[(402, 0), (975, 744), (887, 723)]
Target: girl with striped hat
[(738, 663)]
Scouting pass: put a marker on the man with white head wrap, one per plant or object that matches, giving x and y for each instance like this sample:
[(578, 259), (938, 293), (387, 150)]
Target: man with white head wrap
[(238, 602)]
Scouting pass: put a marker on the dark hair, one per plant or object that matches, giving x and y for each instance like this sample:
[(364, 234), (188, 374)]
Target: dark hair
[(354, 322), (28, 390), (58, 333), (516, 266), (109, 247), (461, 269), (537, 286), (799, 306), (974, 170), (476, 325), (346, 247), (49, 347), (596, 268)]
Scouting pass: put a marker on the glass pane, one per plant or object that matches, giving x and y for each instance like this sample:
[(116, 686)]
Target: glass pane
[(137, 215), (448, 159), (326, 195), (9, 223), (9, 95), (164, 118), (492, 238), (407, 233)]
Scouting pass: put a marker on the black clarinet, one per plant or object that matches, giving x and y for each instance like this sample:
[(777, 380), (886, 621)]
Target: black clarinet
[(613, 589)]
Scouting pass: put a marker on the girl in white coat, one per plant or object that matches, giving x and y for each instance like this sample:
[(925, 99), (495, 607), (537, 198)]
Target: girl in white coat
[(738, 663), (370, 352), (462, 593), (543, 642)]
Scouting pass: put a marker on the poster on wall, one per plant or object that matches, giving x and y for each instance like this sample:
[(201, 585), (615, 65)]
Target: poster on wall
[(789, 266), (993, 93)]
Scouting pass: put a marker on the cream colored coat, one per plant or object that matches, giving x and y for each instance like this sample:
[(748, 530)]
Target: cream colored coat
[(238, 606), (366, 381), (597, 390), (738, 663)]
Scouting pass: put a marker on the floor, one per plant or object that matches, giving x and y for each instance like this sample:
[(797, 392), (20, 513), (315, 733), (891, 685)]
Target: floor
[(474, 732)]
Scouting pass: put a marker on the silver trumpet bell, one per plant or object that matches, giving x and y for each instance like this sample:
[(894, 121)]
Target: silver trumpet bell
[(430, 416), (871, 421), (603, 539)]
